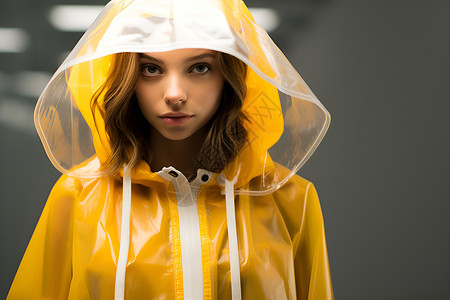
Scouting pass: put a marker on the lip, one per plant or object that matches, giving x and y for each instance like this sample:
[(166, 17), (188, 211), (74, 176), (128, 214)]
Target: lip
[(175, 118)]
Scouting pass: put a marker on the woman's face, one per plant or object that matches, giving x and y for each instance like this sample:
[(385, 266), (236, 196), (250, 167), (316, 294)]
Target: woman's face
[(179, 91)]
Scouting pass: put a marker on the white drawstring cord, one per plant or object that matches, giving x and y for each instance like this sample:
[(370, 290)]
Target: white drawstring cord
[(119, 290), (232, 240)]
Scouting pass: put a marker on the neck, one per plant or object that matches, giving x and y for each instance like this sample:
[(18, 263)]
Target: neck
[(178, 154)]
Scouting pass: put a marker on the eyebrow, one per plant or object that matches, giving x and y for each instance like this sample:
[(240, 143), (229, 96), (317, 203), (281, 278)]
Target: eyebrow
[(201, 56), (190, 59), (142, 55)]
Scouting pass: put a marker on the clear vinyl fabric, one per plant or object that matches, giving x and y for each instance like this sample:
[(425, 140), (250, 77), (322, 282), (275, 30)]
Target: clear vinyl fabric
[(285, 121)]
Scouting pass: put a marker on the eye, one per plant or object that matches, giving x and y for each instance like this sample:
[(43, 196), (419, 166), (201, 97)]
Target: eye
[(150, 70), (200, 68)]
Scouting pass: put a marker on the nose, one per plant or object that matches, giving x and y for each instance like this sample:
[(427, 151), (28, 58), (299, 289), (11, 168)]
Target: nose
[(175, 92)]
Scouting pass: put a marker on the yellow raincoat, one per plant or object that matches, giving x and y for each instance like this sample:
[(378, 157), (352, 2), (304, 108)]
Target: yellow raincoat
[(255, 231)]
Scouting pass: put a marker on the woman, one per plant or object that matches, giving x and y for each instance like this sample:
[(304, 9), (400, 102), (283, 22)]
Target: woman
[(179, 127)]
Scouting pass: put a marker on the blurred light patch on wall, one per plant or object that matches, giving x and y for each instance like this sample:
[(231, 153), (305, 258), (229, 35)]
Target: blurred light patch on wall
[(77, 18), (17, 114), (30, 83), (267, 18), (13, 40)]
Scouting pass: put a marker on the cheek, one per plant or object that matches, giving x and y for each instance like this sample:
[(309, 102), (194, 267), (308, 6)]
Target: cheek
[(213, 93), (144, 105), (145, 98), (141, 104)]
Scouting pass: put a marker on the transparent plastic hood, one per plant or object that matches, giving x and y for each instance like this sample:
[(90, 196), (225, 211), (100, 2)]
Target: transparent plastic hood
[(286, 122)]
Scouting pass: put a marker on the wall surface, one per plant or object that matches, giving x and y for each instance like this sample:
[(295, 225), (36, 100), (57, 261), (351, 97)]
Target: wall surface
[(382, 70)]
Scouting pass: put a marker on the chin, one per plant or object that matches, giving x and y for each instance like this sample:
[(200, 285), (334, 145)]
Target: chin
[(177, 136)]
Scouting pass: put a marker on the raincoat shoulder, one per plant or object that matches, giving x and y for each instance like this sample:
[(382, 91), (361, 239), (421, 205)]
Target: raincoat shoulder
[(298, 210), (299, 201), (46, 267)]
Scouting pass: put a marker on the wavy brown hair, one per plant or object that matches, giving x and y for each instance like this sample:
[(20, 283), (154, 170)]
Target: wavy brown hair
[(128, 130)]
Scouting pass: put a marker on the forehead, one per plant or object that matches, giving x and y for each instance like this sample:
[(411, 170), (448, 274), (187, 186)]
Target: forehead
[(179, 55)]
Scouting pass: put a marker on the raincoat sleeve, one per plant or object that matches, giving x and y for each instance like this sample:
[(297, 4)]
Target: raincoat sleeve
[(312, 271), (45, 270)]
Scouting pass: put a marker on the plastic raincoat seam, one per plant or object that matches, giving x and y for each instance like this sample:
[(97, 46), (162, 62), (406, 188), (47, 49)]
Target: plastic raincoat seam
[(206, 264), (176, 249), (300, 231)]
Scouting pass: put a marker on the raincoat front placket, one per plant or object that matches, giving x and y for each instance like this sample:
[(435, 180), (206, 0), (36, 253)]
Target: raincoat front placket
[(190, 237)]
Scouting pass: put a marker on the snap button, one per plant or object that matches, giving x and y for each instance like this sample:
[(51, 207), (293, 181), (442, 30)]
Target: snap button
[(205, 178), (173, 173)]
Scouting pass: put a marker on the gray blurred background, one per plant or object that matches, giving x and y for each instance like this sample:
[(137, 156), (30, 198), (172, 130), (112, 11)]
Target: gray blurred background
[(382, 68)]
